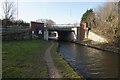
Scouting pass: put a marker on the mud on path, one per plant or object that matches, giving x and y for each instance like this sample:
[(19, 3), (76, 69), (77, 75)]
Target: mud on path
[(53, 72)]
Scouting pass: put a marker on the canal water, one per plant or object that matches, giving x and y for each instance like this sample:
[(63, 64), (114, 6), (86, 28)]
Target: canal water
[(90, 62)]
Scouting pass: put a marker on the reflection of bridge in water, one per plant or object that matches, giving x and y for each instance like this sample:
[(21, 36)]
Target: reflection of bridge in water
[(67, 32)]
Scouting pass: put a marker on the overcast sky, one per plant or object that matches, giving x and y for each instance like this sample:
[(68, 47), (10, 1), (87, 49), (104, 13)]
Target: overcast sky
[(69, 11)]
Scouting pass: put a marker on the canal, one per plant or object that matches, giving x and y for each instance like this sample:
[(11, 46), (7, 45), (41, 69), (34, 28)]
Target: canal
[(90, 62)]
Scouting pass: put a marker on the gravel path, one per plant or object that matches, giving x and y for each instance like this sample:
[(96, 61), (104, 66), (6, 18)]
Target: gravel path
[(53, 72)]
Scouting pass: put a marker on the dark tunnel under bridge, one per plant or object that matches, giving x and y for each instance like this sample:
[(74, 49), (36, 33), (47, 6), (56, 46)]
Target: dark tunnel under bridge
[(65, 35)]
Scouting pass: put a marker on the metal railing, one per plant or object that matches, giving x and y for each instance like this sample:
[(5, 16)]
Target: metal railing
[(63, 26)]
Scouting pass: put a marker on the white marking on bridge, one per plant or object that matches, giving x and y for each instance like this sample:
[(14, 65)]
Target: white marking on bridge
[(63, 26)]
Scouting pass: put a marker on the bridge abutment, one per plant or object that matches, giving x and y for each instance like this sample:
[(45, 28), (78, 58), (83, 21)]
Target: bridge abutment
[(46, 34)]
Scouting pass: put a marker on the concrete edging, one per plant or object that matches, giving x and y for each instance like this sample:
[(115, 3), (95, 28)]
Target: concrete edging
[(98, 47)]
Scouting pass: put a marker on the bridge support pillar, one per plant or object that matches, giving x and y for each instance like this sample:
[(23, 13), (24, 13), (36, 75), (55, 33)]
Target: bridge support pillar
[(75, 33), (46, 33)]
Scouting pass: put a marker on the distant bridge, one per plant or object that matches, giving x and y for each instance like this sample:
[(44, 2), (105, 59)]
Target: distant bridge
[(69, 32), (64, 32)]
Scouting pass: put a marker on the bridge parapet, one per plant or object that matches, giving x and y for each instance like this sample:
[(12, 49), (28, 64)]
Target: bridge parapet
[(59, 26), (70, 30), (63, 25)]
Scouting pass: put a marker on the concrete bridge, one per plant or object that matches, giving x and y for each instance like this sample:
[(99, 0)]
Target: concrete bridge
[(66, 32), (69, 32)]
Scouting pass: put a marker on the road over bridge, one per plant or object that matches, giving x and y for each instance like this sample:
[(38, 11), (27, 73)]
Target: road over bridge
[(62, 32)]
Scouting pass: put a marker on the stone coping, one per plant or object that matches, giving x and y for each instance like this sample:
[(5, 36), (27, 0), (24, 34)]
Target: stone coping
[(103, 47)]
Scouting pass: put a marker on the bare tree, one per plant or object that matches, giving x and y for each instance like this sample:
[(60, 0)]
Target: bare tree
[(107, 21), (47, 22), (9, 11)]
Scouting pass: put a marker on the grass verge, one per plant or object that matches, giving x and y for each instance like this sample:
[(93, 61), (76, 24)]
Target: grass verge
[(65, 70), (24, 59)]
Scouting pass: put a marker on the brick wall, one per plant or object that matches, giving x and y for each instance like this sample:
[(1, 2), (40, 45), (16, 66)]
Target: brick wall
[(38, 29), (82, 30)]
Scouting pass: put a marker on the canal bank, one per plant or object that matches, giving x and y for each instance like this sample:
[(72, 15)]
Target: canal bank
[(90, 62), (64, 68), (99, 46)]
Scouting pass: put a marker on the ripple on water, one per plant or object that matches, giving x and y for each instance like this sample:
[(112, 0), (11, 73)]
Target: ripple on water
[(89, 62)]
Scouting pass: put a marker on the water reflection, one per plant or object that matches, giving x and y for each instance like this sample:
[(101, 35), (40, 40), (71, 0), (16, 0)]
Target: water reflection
[(89, 62)]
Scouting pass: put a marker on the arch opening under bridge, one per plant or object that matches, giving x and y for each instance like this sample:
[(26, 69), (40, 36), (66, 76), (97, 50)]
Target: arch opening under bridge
[(69, 32), (62, 32)]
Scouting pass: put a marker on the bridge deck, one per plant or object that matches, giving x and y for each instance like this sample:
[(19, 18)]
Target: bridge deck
[(62, 26)]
